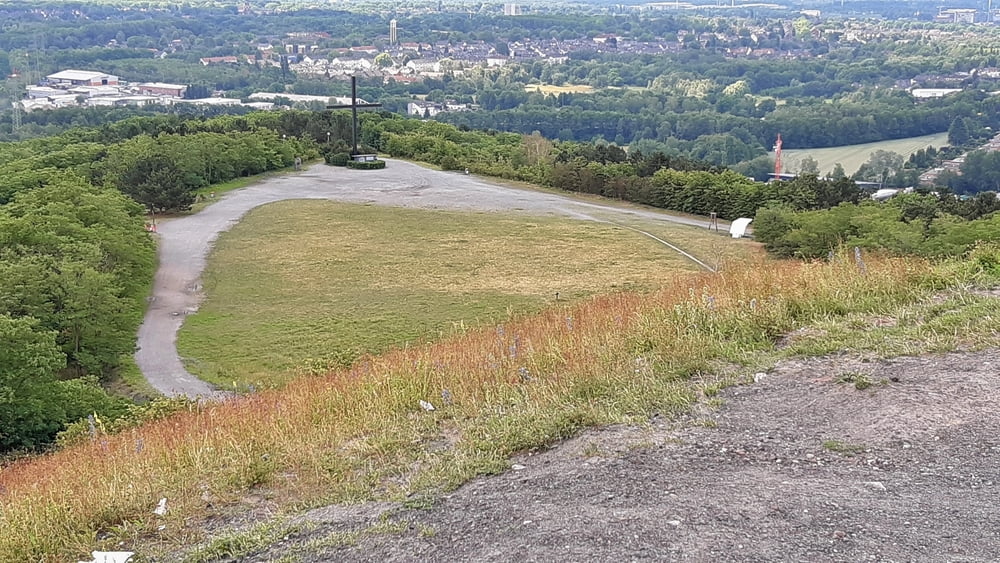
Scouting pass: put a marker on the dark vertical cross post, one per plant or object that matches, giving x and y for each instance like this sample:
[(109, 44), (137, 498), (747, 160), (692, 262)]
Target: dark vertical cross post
[(354, 105)]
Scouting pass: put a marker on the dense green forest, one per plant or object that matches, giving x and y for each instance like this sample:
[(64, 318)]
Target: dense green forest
[(76, 261)]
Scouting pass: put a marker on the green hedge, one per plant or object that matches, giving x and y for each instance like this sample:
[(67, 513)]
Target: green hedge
[(370, 165), (337, 159)]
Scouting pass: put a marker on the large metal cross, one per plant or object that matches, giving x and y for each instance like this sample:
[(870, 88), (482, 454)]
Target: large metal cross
[(354, 105)]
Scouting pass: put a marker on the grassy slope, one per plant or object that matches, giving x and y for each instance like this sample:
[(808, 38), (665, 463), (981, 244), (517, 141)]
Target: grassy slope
[(851, 157), (306, 285), (360, 433)]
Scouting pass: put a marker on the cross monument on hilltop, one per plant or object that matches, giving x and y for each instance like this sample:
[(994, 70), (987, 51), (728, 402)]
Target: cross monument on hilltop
[(354, 105)]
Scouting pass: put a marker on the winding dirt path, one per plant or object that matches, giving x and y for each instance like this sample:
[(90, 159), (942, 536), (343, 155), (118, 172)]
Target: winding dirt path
[(185, 242)]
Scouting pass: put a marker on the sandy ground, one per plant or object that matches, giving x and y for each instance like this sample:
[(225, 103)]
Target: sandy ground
[(185, 242), (799, 466)]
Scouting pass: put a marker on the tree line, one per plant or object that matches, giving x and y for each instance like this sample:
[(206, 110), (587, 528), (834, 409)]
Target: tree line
[(674, 182), (75, 266), (908, 224), (76, 262)]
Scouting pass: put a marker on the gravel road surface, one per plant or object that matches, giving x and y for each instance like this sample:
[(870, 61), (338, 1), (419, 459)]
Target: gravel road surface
[(185, 242), (799, 466)]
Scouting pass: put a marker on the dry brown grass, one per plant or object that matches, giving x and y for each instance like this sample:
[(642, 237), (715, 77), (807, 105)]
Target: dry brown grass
[(304, 282), (361, 433), (553, 90)]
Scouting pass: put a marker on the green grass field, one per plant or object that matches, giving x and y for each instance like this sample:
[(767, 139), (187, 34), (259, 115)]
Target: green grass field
[(851, 157), (302, 286)]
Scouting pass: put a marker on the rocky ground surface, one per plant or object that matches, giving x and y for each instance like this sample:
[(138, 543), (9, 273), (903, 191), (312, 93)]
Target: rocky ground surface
[(827, 459)]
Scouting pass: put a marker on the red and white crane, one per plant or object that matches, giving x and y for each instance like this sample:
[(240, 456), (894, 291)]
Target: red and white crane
[(777, 158)]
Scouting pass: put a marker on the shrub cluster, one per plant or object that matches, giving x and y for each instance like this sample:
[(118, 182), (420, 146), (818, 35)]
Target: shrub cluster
[(908, 224), (337, 159), (366, 165)]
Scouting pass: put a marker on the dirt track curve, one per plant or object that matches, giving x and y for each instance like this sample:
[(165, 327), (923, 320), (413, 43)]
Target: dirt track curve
[(185, 242)]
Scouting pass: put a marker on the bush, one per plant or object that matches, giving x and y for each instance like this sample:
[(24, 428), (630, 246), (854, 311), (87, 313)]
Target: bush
[(337, 159), (450, 163), (369, 165)]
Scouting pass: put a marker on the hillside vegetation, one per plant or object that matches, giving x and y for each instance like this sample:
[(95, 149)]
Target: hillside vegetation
[(164, 162), (908, 224), (76, 262), (361, 433)]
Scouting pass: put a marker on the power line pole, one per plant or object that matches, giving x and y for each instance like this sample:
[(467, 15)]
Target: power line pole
[(16, 125)]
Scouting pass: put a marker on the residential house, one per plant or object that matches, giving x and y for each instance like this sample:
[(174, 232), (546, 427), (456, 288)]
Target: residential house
[(229, 60), (423, 109)]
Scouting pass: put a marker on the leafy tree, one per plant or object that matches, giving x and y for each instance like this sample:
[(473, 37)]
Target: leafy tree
[(739, 88), (29, 359), (838, 172), (197, 91), (980, 172), (157, 182), (34, 404), (958, 132), (808, 165), (757, 168), (880, 166)]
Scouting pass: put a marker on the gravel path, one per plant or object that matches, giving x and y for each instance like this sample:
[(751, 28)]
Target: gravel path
[(799, 466), (185, 242)]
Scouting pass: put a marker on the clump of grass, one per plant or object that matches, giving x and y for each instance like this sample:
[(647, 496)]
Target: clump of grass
[(236, 544), (861, 381), (360, 432), (843, 447)]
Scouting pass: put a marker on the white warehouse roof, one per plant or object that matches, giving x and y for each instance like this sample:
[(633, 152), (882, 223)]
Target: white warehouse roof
[(80, 75), (162, 85)]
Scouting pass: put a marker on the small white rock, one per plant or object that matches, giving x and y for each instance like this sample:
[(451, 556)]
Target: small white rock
[(759, 376), (161, 508), (426, 406), (674, 522), (517, 467), (110, 556), (875, 485)]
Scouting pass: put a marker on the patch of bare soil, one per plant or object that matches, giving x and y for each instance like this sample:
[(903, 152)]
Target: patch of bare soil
[(827, 459)]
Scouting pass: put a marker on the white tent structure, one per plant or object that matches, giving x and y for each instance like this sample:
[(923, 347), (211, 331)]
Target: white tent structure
[(738, 228)]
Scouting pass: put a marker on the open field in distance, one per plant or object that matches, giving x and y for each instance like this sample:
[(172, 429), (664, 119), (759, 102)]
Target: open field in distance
[(851, 157), (551, 89)]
